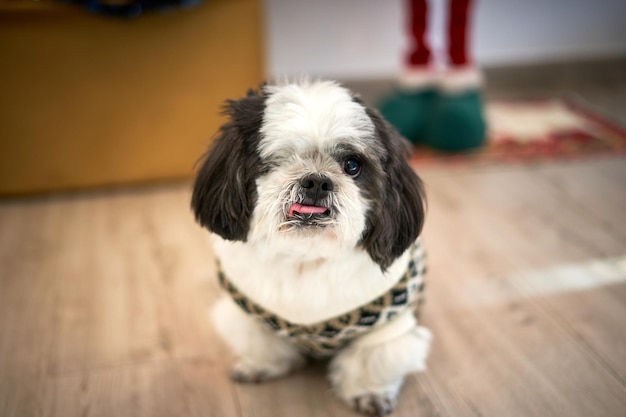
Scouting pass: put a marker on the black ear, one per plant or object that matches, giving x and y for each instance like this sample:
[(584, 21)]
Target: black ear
[(396, 220), (224, 193)]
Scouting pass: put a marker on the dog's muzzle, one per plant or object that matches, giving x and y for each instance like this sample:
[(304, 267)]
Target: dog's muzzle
[(313, 207)]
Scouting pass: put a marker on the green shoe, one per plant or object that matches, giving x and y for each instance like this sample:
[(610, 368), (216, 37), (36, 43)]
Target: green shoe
[(409, 112), (458, 122)]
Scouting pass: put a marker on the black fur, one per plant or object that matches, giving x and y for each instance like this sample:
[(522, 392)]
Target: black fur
[(396, 220), (224, 193)]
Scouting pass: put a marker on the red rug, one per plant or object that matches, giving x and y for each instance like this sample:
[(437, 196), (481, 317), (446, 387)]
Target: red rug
[(537, 131)]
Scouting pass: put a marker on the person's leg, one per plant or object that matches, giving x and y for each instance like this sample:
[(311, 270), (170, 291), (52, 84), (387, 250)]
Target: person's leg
[(457, 32), (419, 54), (458, 123), (408, 108)]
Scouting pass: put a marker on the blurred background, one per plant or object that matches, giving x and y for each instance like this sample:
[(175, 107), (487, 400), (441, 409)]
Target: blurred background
[(95, 96), (352, 39)]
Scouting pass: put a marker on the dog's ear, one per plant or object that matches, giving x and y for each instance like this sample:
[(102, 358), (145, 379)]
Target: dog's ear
[(224, 193), (396, 220)]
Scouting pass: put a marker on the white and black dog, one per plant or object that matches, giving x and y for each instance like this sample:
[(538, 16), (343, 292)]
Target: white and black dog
[(315, 216)]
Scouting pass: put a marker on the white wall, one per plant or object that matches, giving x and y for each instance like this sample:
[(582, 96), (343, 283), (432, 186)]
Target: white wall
[(365, 38)]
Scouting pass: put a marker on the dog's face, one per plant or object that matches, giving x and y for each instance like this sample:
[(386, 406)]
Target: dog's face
[(306, 168)]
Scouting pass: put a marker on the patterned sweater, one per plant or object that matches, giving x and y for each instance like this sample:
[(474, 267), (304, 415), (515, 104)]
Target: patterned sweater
[(325, 338)]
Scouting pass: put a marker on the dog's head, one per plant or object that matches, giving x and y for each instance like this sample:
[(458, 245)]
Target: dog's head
[(307, 167)]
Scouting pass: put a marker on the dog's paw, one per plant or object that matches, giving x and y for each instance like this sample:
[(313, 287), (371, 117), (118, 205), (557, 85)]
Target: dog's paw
[(247, 372), (377, 405)]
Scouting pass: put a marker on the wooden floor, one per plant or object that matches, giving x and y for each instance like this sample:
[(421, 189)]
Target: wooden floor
[(104, 300)]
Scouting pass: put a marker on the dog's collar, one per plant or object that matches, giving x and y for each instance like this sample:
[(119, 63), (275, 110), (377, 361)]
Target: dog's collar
[(326, 337)]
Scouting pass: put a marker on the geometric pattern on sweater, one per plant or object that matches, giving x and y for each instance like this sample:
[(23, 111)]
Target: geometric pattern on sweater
[(326, 337)]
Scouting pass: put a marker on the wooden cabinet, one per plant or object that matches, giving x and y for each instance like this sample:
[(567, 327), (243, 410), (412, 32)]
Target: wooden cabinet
[(92, 101)]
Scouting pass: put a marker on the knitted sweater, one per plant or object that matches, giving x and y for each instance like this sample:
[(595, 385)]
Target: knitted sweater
[(325, 338)]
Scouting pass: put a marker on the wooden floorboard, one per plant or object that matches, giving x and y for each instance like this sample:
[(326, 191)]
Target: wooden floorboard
[(104, 301), (536, 350)]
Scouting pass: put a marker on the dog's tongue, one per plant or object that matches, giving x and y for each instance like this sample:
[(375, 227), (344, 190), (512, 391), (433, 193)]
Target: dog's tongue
[(297, 207)]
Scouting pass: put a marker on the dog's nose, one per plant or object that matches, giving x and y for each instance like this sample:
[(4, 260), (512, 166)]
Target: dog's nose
[(316, 186)]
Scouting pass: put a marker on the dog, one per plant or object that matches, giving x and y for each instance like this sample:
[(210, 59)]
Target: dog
[(315, 217)]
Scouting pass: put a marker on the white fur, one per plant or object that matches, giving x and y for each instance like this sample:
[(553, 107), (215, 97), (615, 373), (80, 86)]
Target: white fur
[(378, 362), (307, 275), (309, 115), (262, 355), (304, 290)]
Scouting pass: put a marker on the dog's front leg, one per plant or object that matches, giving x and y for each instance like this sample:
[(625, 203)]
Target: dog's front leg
[(369, 373), (261, 354)]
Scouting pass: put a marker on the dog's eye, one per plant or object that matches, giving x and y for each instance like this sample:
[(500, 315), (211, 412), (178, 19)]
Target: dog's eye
[(352, 167)]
